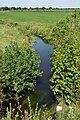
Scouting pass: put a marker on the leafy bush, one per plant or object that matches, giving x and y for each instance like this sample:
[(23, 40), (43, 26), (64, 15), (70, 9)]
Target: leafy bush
[(65, 60), (18, 70)]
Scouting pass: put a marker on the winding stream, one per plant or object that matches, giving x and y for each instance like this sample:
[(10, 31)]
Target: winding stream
[(42, 89)]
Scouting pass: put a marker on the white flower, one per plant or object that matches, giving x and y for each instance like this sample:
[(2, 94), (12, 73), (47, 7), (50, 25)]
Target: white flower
[(70, 107), (58, 108)]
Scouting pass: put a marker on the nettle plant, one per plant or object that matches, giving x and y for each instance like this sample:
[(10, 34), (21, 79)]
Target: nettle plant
[(19, 70), (66, 80), (66, 66)]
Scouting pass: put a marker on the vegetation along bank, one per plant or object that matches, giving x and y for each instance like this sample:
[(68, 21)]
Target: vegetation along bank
[(15, 76)]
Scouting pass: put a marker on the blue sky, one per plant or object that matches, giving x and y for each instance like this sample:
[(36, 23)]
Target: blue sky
[(41, 3)]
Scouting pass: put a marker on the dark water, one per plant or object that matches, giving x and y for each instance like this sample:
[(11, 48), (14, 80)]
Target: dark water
[(42, 89)]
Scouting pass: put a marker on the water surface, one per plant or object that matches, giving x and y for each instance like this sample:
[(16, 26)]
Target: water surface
[(42, 89)]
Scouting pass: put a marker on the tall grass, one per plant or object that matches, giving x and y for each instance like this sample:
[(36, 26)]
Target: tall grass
[(30, 114), (12, 31), (69, 113)]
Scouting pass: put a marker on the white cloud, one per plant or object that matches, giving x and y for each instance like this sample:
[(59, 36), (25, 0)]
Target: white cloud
[(40, 3)]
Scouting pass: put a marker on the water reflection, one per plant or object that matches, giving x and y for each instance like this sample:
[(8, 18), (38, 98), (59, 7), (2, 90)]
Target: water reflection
[(42, 89)]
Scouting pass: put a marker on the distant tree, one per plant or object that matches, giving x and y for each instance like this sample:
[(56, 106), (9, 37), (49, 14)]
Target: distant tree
[(5, 8), (43, 8), (19, 8), (25, 8), (57, 8), (50, 8), (36, 8), (13, 8)]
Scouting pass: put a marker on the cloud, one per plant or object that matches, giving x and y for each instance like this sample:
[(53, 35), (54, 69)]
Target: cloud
[(40, 3)]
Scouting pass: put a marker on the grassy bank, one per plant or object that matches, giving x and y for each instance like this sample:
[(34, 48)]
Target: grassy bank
[(11, 31), (39, 23), (33, 22)]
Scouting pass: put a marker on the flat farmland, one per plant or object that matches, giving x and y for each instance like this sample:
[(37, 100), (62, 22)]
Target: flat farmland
[(33, 17), (34, 20)]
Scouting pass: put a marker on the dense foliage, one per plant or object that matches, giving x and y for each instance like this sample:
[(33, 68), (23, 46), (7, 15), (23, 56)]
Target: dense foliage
[(18, 67), (66, 59), (18, 70)]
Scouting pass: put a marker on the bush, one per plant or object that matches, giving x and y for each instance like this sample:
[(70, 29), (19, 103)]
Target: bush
[(18, 70)]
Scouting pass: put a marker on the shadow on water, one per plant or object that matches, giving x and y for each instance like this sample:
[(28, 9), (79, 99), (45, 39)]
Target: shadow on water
[(42, 89)]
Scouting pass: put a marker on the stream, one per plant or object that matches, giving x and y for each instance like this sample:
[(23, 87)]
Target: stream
[(42, 89), (41, 93)]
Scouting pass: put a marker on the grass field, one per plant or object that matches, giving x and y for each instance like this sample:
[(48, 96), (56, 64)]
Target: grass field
[(40, 21), (33, 17), (10, 32)]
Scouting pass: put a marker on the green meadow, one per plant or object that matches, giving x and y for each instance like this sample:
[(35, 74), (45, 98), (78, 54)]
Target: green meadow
[(33, 17), (34, 20)]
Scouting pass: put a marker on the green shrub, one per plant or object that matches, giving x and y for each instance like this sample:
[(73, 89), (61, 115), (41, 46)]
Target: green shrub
[(65, 61), (18, 70)]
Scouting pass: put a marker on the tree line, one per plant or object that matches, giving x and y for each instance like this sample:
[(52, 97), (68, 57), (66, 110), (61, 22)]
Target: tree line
[(31, 8)]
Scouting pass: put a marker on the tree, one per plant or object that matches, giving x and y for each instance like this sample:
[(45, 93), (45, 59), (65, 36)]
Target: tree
[(50, 8), (5, 8), (13, 8), (43, 8)]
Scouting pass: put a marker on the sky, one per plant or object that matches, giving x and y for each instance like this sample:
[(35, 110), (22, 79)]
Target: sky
[(41, 3)]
